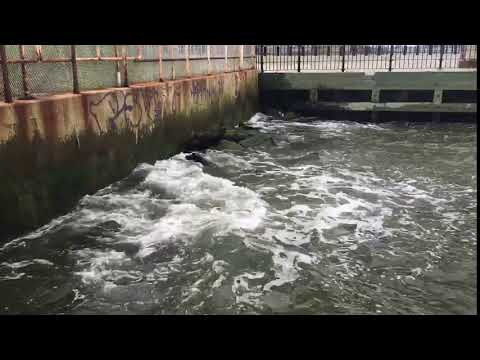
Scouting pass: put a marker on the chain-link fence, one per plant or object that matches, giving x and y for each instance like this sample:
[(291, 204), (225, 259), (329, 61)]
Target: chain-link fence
[(31, 71)]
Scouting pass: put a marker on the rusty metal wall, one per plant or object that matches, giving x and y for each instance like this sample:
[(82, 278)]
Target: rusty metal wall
[(39, 70)]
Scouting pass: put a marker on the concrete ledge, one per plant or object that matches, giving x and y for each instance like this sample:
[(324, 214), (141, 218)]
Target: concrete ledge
[(397, 106), (360, 81)]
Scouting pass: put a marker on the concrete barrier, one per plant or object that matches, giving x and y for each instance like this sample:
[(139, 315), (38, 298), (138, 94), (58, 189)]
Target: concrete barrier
[(299, 91), (56, 149)]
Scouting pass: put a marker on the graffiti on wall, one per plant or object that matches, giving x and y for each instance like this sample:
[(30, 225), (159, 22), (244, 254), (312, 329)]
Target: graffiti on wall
[(176, 98), (240, 78), (151, 102), (7, 127), (201, 93), (121, 106)]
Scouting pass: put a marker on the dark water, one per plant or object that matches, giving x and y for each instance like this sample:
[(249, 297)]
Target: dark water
[(336, 218)]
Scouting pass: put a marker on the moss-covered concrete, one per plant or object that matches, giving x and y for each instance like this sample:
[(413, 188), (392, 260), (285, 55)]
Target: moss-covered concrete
[(55, 150)]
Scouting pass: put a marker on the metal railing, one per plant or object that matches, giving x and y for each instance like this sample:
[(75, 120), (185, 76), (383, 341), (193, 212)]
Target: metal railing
[(325, 58), (29, 71)]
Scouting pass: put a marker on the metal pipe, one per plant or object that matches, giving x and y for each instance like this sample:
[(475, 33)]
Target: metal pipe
[(226, 58), (187, 61), (298, 59), (56, 60), (160, 62), (76, 86), (26, 93), (6, 80), (173, 65), (241, 56), (125, 65), (261, 58), (391, 58), (442, 49), (209, 64), (117, 66)]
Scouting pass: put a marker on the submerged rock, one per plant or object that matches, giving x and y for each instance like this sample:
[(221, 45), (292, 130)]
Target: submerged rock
[(238, 134), (245, 126), (228, 145), (198, 158)]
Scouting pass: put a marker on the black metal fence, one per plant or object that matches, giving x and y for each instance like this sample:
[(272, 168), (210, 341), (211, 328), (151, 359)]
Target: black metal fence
[(324, 58), (28, 71)]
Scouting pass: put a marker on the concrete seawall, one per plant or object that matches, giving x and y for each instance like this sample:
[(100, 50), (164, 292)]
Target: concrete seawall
[(381, 92), (56, 149)]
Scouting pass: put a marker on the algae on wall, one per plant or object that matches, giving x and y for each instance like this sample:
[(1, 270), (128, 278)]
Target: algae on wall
[(41, 179)]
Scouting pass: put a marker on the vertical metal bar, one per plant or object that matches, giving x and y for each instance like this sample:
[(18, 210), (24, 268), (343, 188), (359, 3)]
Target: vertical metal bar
[(76, 86), (442, 49), (26, 93), (280, 58), (261, 58), (187, 60), (209, 62), (125, 65), (172, 61), (97, 50), (117, 66), (6, 80), (391, 58), (226, 58), (276, 57), (38, 51), (241, 56), (343, 57), (298, 59), (160, 62)]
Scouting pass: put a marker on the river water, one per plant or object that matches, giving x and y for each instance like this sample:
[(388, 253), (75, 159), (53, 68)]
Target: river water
[(336, 217)]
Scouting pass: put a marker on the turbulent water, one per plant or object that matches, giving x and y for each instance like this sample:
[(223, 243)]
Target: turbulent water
[(334, 218)]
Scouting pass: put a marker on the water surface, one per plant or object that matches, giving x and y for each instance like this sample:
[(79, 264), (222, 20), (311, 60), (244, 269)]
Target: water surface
[(336, 218)]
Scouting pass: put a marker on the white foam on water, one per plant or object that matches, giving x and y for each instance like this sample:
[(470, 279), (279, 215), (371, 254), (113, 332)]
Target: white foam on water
[(101, 266), (244, 293), (226, 160), (196, 203), (205, 202), (24, 263)]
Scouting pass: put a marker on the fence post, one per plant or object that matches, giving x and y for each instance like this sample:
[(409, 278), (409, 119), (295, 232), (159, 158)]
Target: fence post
[(226, 58), (241, 57), (26, 93), (391, 58), (160, 62), (209, 61), (187, 60), (261, 58), (125, 65), (298, 59), (117, 66), (172, 60), (76, 87), (343, 58), (6, 81), (442, 49)]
